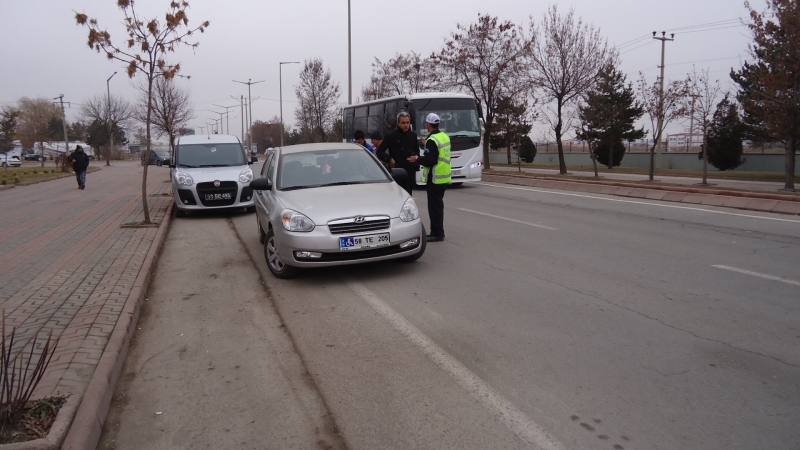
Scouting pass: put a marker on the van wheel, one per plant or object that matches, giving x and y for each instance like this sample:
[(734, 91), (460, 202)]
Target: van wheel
[(276, 266), (251, 209), (262, 237), (179, 212), (423, 245)]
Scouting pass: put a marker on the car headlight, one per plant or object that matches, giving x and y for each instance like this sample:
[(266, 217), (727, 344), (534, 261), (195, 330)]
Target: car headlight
[(409, 211), (294, 221), (184, 178), (246, 176), (476, 165)]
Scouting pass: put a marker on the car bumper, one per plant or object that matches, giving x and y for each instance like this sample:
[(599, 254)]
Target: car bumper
[(322, 241), (187, 199)]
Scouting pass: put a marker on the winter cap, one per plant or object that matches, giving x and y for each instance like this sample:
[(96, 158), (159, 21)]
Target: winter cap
[(78, 147), (432, 118), (376, 135)]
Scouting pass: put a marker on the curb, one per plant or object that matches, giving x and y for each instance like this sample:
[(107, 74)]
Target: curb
[(57, 431), (88, 423), (779, 204)]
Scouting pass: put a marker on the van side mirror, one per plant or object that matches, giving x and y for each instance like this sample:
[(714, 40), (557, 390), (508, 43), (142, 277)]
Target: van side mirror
[(261, 184), (398, 173)]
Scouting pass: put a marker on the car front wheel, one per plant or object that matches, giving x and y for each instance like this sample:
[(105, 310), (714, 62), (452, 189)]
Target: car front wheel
[(159, 163), (276, 266)]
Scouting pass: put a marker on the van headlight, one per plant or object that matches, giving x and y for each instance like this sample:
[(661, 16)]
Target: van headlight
[(246, 176), (409, 211), (184, 178), (476, 165), (294, 221)]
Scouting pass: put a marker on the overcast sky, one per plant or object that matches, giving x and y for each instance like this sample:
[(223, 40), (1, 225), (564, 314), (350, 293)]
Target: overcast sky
[(44, 53)]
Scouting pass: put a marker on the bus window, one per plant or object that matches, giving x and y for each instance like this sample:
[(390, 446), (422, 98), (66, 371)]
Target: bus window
[(390, 117), (348, 124), (375, 118), (360, 122)]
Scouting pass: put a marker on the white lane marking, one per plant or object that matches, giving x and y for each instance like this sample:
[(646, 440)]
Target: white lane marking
[(757, 274), (638, 203), (510, 220), (508, 414)]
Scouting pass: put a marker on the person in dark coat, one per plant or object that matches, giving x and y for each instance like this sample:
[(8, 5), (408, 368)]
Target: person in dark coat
[(80, 163), (397, 149)]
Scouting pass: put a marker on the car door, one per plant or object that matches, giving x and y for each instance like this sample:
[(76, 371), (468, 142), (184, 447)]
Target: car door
[(265, 200)]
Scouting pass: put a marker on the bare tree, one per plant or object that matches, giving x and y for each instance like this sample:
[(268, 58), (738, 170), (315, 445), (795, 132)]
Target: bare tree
[(9, 121), (144, 52), (114, 112), (172, 108), (706, 93), (565, 58), (317, 98), (35, 116), (675, 94), (403, 74), (484, 59)]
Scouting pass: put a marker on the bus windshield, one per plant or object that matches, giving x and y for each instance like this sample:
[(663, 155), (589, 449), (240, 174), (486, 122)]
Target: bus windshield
[(459, 116)]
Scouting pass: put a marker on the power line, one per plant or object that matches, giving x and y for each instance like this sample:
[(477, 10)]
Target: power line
[(635, 48)]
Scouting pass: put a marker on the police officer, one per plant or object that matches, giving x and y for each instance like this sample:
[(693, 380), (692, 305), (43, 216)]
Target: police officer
[(435, 174), (400, 148)]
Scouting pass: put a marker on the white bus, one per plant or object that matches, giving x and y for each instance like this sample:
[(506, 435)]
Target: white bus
[(460, 116)]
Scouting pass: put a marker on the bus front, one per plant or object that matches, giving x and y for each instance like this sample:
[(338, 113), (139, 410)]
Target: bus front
[(460, 119)]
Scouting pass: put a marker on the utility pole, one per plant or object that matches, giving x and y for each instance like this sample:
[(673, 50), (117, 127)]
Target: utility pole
[(220, 121), (280, 88), (108, 120), (663, 38), (691, 123), (64, 123), (240, 99), (227, 117), (249, 83), (349, 59)]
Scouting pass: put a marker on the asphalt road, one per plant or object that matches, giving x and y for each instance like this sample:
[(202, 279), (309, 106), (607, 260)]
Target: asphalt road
[(552, 319)]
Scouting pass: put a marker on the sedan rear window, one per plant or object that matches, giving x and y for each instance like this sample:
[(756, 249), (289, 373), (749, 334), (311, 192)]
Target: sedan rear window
[(211, 155), (329, 168)]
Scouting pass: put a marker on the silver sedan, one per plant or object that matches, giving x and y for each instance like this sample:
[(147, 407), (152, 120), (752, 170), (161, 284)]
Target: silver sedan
[(333, 204)]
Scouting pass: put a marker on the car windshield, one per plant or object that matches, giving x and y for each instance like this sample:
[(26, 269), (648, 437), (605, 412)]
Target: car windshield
[(458, 116), (211, 155), (315, 169), (162, 153)]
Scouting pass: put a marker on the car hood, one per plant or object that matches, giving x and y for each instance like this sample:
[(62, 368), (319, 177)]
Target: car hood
[(339, 202), (205, 174)]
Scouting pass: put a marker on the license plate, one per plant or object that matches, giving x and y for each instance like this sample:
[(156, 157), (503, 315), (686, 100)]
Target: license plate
[(362, 242), (223, 196)]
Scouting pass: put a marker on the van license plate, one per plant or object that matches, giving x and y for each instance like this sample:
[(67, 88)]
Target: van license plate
[(223, 196), (362, 242)]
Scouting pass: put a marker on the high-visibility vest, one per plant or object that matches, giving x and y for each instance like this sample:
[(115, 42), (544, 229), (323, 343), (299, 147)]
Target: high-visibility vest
[(441, 171)]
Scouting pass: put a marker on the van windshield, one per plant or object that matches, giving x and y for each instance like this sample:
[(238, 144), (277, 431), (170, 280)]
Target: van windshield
[(211, 155)]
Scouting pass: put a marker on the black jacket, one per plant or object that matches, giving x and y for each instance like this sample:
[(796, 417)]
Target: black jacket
[(80, 161), (399, 146), (431, 156)]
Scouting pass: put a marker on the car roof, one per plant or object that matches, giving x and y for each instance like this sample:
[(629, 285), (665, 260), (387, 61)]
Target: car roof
[(208, 139), (300, 148)]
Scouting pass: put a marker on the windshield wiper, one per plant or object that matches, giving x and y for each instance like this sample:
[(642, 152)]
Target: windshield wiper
[(215, 165), (344, 183), (187, 165), (294, 188)]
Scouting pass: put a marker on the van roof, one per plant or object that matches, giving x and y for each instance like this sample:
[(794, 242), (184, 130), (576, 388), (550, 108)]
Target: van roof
[(208, 139)]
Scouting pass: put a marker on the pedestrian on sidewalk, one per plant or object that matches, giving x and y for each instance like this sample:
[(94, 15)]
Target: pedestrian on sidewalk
[(435, 174), (80, 163)]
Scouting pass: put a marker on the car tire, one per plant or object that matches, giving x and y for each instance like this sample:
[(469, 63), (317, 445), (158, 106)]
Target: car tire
[(276, 266), (3, 165), (179, 212), (262, 237), (159, 163), (424, 244), (251, 209)]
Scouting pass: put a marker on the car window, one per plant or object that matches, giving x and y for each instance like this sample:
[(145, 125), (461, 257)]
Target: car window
[(329, 167), (266, 167), (211, 155)]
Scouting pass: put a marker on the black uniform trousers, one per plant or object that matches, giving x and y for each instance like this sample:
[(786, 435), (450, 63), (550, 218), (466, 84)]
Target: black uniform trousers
[(436, 208)]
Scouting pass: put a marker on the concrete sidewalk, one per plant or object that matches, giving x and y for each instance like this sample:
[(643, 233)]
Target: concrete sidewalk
[(67, 266)]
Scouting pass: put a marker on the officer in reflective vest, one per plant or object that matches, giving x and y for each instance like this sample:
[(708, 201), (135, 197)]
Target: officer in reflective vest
[(435, 174)]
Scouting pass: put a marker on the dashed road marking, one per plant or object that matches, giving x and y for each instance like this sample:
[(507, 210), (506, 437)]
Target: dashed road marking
[(757, 274), (510, 220)]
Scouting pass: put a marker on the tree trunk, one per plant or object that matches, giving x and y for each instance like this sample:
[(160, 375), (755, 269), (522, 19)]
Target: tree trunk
[(145, 210), (790, 163), (562, 164), (610, 157), (508, 152), (42, 152), (705, 154), (594, 161), (487, 128)]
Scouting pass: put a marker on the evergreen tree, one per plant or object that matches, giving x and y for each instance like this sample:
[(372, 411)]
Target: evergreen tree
[(725, 133), (510, 124), (527, 149), (608, 115)]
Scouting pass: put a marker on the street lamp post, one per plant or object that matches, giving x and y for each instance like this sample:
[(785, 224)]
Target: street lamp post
[(108, 120), (349, 59), (249, 83), (280, 87)]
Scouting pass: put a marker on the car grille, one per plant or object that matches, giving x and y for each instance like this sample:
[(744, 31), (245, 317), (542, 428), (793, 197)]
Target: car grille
[(350, 226), (224, 186)]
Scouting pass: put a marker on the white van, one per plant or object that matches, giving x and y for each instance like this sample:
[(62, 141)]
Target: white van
[(211, 171)]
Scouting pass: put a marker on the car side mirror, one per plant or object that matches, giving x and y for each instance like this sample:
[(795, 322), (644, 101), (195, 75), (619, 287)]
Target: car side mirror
[(261, 184), (172, 166), (398, 173), (253, 159)]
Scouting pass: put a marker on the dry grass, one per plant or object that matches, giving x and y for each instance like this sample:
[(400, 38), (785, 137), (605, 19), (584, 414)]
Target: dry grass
[(712, 173), (34, 174)]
